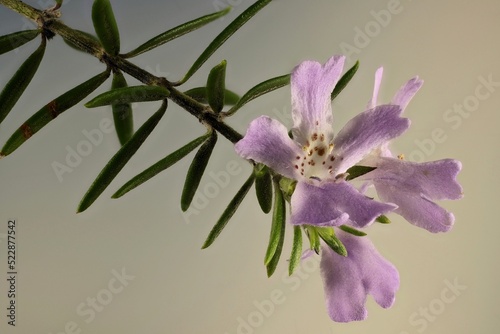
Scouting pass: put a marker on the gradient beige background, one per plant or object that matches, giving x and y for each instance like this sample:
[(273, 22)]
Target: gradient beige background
[(66, 258)]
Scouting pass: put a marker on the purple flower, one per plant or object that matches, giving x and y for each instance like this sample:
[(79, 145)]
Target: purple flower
[(317, 159), (413, 187), (348, 280)]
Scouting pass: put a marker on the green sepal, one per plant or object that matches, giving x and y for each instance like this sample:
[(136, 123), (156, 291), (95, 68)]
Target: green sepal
[(200, 95), (346, 78), (216, 86), (129, 95), (313, 237), (277, 236), (382, 219), (263, 187), (120, 159), (196, 170), (18, 83), (352, 231), (105, 26), (260, 89), (160, 166), (357, 171), (51, 110), (223, 36), (122, 112), (178, 31), (288, 187), (329, 237), (13, 41), (296, 250), (278, 225), (229, 212)]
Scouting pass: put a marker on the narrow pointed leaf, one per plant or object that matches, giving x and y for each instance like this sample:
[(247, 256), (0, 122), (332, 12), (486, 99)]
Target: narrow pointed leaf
[(329, 237), (51, 110), (120, 159), (122, 112), (313, 236), (352, 231), (277, 227), (264, 188), (82, 41), (200, 95), (16, 86), (129, 95), (13, 41), (223, 36), (216, 85), (229, 212), (296, 250), (160, 166), (178, 31), (196, 170), (357, 171), (105, 26), (260, 89), (277, 237), (383, 220), (346, 78)]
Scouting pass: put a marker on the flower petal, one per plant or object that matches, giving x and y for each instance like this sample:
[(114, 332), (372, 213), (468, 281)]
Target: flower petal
[(376, 87), (267, 142), (334, 204), (417, 209), (406, 92), (312, 85), (365, 132), (436, 180), (348, 280)]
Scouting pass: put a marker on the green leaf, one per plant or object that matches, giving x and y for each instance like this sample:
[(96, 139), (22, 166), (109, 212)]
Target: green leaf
[(352, 231), (229, 212), (329, 237), (160, 166), (120, 159), (383, 220), (264, 187), (223, 36), (277, 227), (178, 31), (16, 86), (346, 78), (196, 170), (122, 112), (105, 26), (82, 41), (313, 236), (129, 95), (13, 41), (216, 86), (357, 171), (200, 95), (51, 110), (260, 89), (296, 250)]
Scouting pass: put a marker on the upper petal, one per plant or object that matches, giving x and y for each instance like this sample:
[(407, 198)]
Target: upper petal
[(312, 85), (406, 92), (267, 142), (376, 87), (365, 132), (334, 204), (348, 280)]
